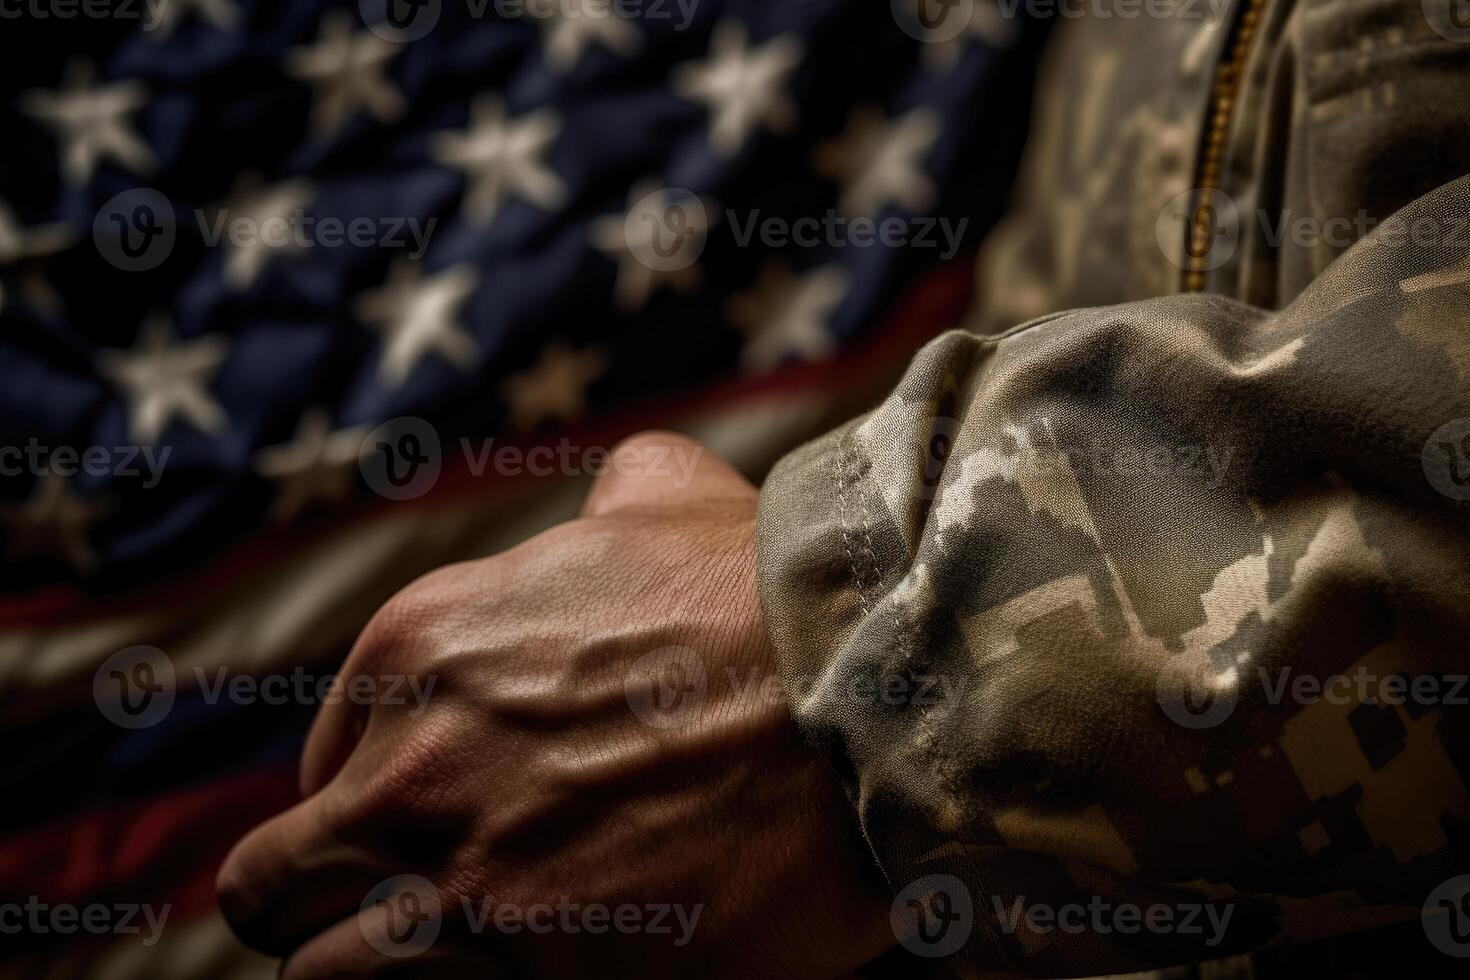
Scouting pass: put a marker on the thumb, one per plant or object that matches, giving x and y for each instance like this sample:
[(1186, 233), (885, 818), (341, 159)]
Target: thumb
[(653, 469)]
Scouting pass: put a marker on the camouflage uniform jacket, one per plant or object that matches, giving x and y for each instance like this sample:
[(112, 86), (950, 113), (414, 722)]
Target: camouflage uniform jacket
[(1121, 599)]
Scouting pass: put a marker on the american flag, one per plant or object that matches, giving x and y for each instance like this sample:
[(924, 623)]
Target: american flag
[(255, 256)]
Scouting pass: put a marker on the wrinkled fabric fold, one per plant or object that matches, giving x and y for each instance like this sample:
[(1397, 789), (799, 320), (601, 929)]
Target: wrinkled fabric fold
[(1045, 607)]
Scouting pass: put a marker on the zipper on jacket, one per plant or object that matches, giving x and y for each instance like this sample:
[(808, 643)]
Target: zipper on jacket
[(1223, 97)]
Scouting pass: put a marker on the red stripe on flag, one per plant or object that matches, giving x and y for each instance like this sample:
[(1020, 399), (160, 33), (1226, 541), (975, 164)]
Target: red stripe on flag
[(160, 851), (933, 305)]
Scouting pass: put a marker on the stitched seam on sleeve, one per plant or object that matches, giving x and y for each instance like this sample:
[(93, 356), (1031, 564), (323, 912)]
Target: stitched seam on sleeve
[(839, 454), (866, 522)]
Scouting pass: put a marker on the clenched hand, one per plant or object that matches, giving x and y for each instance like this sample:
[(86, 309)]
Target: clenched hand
[(556, 807)]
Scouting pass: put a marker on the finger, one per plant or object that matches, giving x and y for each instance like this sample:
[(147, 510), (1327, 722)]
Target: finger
[(343, 717), (335, 733), (657, 468), (371, 944), (292, 876)]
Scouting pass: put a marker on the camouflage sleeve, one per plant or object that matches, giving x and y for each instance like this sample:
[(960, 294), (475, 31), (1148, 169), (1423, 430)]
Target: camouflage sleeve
[(1139, 634)]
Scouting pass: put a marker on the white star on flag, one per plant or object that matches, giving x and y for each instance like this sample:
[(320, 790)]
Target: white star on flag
[(743, 87), (349, 73), (316, 465), (92, 123), (52, 522), (880, 161), (418, 315), (985, 21), (20, 245), (573, 26), (555, 387), (161, 379), (221, 14), (657, 241), (502, 157), (785, 315), (267, 213)]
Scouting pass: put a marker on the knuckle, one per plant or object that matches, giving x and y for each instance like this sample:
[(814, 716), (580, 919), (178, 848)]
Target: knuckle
[(432, 597), (397, 619), (417, 784), (631, 455), (231, 894), (241, 894), (653, 439), (407, 617)]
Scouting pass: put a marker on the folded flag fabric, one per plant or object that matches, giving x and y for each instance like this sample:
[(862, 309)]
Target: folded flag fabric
[(263, 264), (237, 237)]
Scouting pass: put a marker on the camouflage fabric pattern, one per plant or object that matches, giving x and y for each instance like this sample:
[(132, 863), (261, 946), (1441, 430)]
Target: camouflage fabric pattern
[(1047, 606), (1345, 112)]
